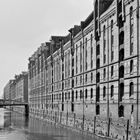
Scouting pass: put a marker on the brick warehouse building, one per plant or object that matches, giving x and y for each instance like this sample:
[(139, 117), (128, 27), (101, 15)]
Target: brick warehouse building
[(89, 79), (37, 79), (21, 91), (17, 90)]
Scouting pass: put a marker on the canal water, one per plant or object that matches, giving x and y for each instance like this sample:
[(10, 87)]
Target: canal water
[(14, 126)]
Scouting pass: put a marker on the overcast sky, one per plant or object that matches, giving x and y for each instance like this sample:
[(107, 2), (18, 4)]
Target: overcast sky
[(25, 24)]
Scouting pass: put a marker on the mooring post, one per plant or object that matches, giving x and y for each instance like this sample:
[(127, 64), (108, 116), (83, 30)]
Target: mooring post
[(74, 119), (108, 127), (127, 131), (94, 124)]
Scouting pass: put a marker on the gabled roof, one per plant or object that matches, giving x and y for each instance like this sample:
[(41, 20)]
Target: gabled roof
[(104, 5)]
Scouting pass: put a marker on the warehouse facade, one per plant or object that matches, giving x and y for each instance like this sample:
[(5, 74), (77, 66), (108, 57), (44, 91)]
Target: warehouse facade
[(89, 79)]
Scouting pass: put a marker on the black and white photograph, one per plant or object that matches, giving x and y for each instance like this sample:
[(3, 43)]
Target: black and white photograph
[(70, 70)]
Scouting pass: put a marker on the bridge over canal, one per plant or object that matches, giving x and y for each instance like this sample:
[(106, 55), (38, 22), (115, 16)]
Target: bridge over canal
[(4, 103)]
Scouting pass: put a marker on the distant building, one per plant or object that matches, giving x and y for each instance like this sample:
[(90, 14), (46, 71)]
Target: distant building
[(17, 90), (7, 90), (37, 79), (21, 91), (21, 88)]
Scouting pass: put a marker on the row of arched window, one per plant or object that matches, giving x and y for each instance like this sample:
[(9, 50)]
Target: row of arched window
[(121, 88)]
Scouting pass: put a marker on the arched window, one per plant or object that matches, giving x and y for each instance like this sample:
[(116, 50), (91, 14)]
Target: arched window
[(121, 54), (91, 93), (97, 94), (76, 58), (112, 70), (131, 30), (121, 38), (104, 73), (86, 78), (81, 79), (65, 96), (86, 53), (81, 48), (86, 94), (98, 77), (60, 96), (121, 111), (97, 109), (112, 91), (91, 77), (69, 95), (112, 41), (104, 44), (121, 91), (121, 71), (76, 94), (131, 89), (132, 109), (131, 66), (98, 50), (91, 39), (98, 63), (81, 94), (104, 92)]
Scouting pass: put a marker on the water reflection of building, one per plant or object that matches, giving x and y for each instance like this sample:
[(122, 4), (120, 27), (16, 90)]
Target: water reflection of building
[(1, 118), (7, 120)]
